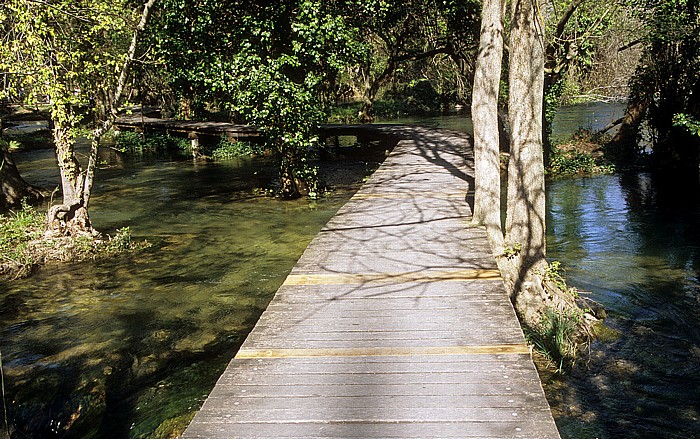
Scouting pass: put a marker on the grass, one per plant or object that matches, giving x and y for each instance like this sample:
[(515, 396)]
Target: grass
[(23, 247), (555, 337), (17, 230)]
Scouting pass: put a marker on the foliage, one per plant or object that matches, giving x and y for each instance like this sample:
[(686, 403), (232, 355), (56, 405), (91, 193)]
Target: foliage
[(669, 79), (417, 97), (575, 33), (554, 273), (581, 155), (228, 149), (426, 40), (512, 251), (17, 229), (691, 124), (136, 143), (268, 65), (75, 57), (571, 162), (64, 52)]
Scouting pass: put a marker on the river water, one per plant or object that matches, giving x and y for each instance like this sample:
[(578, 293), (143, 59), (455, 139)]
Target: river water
[(131, 346), (115, 348), (632, 243)]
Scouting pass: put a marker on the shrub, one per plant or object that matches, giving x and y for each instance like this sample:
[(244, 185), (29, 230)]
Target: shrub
[(228, 149), (581, 155), (135, 143)]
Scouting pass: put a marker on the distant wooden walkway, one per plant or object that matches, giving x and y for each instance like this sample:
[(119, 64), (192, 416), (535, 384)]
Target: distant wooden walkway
[(394, 322), (190, 127)]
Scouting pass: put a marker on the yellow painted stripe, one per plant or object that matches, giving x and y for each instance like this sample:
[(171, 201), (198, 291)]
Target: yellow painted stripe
[(520, 349), (356, 279), (400, 195)]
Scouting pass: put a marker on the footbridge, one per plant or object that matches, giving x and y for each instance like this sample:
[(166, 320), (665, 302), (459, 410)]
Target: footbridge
[(394, 323)]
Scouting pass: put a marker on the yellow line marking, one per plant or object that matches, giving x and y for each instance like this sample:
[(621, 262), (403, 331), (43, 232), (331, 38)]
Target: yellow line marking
[(520, 349), (354, 279), (399, 195)]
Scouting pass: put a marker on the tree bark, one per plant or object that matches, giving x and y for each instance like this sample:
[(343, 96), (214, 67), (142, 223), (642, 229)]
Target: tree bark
[(525, 221), (14, 188), (624, 146), (533, 292), (484, 110), (371, 88)]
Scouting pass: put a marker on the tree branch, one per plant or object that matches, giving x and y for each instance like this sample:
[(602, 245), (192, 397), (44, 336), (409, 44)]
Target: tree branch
[(630, 45), (419, 56), (112, 113), (561, 26)]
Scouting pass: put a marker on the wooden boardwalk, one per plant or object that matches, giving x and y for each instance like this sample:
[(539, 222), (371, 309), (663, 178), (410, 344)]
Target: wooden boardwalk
[(193, 128), (394, 323)]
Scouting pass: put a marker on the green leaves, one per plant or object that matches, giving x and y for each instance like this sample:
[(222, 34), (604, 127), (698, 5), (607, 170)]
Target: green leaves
[(265, 64), (64, 52), (691, 124)]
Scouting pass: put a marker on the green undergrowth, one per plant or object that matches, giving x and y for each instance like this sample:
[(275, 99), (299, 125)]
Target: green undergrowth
[(555, 337), (227, 149), (23, 245), (17, 230), (559, 334), (581, 155), (137, 144)]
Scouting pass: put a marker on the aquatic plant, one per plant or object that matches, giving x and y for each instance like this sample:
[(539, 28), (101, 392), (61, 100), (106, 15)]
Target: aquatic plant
[(555, 337)]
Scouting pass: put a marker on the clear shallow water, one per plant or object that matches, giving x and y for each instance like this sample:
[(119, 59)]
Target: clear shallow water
[(633, 244), (113, 349)]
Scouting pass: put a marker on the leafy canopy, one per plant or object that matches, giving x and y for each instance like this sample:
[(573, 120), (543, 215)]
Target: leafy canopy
[(64, 52)]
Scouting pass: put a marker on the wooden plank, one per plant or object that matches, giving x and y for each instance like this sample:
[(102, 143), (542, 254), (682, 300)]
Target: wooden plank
[(393, 323), (214, 429)]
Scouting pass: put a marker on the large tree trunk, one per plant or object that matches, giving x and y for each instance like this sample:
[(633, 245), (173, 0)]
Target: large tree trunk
[(14, 188), (624, 146), (487, 185), (525, 221), (71, 216), (535, 294)]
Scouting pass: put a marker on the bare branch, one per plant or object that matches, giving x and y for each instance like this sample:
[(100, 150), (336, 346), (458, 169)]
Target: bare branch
[(630, 45)]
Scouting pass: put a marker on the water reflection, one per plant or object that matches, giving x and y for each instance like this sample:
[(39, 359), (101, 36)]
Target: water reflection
[(632, 242), (115, 348)]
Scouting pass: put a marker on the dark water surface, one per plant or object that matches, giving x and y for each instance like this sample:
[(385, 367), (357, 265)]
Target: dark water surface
[(633, 244), (114, 349)]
